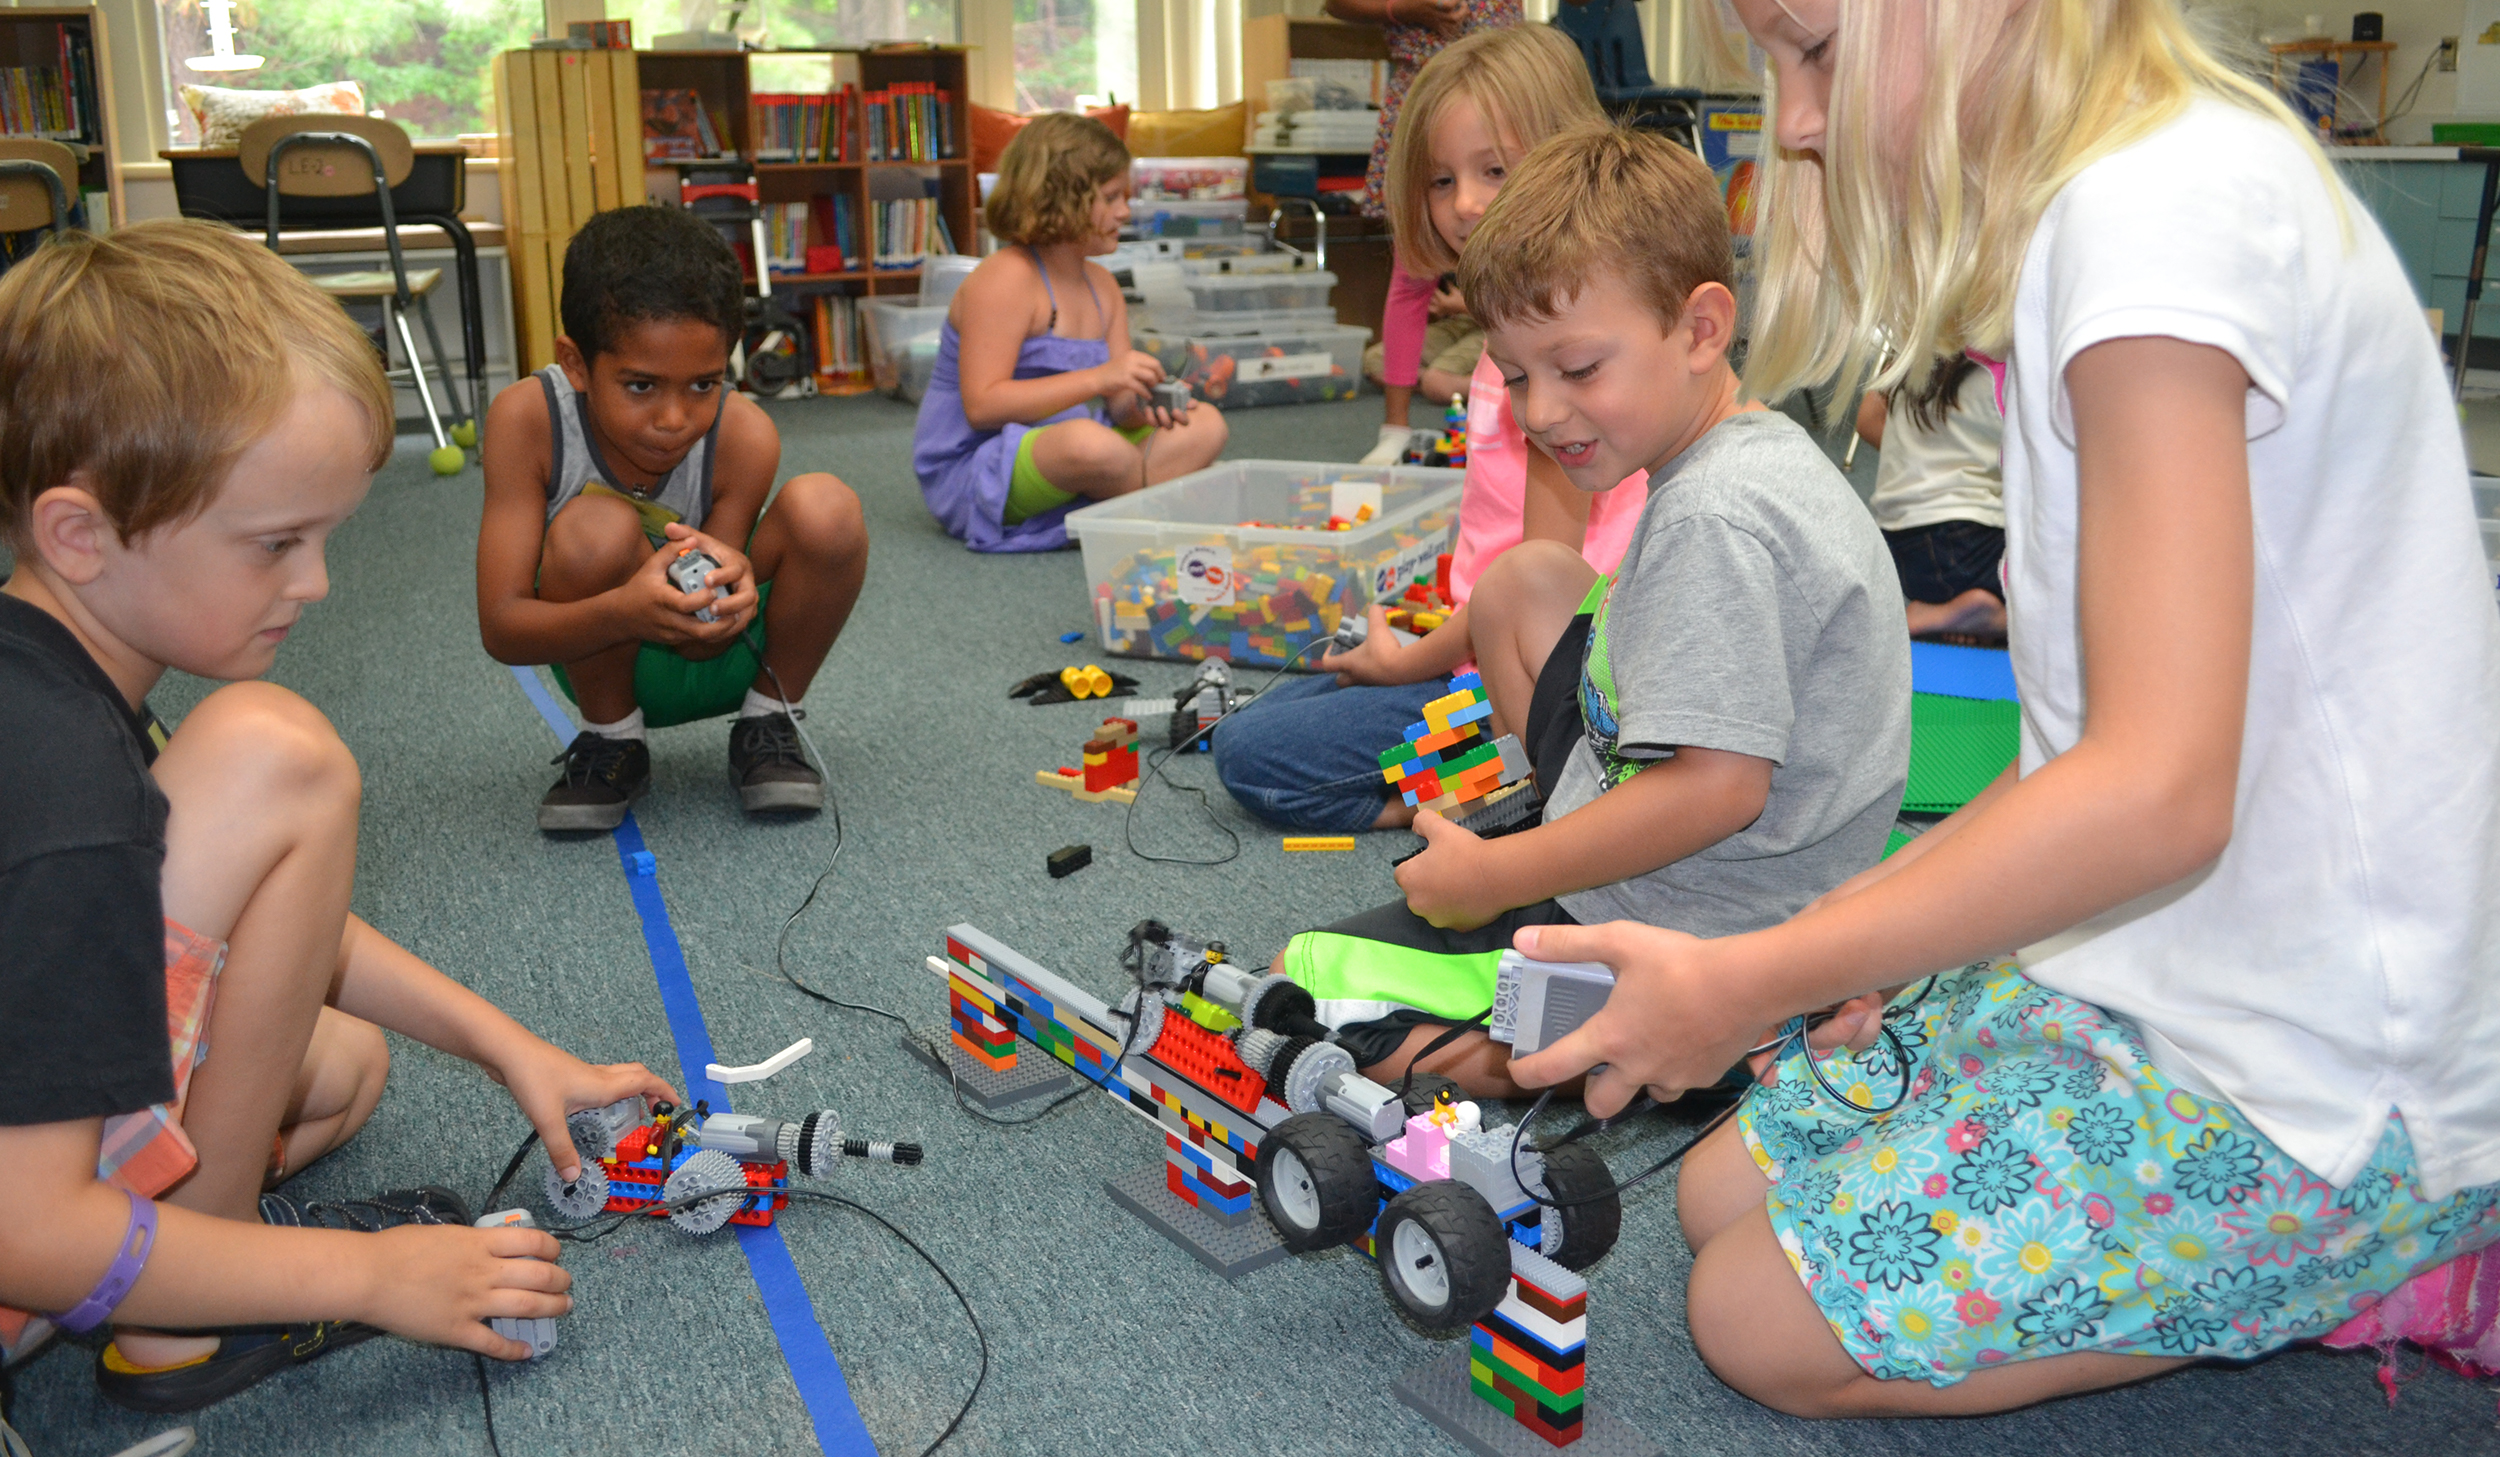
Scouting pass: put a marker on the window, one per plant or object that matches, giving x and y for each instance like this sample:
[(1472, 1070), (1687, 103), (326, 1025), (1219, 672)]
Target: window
[(422, 63), (794, 24), (1075, 53)]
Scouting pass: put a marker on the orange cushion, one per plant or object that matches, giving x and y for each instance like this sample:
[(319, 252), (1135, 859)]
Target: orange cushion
[(993, 129)]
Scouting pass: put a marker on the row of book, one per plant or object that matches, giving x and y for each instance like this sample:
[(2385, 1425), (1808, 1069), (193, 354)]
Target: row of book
[(824, 237), (909, 122), (903, 233), (56, 102), (841, 345)]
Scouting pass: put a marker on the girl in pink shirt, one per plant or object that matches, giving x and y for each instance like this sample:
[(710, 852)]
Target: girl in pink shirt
[(1305, 754)]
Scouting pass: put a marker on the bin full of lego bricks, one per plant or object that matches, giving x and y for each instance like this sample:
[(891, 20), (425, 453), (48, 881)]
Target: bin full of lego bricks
[(1253, 561)]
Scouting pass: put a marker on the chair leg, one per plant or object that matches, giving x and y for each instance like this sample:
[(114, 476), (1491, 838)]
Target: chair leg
[(416, 368), (442, 362)]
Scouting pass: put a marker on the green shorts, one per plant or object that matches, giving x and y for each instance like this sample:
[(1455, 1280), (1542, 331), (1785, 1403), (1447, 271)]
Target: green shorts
[(671, 689), (1029, 494)]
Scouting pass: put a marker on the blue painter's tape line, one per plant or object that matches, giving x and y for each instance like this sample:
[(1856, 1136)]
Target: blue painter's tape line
[(804, 1346), (1960, 672)]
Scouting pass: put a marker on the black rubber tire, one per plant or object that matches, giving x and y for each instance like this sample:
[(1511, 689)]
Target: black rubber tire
[(1574, 1172), (1339, 1196), (1426, 1087), (1467, 1244)]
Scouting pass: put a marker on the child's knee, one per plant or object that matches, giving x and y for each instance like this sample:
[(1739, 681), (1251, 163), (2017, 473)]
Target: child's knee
[(1209, 429), (1536, 567), (825, 519), (1755, 1327), (592, 544), (265, 745)]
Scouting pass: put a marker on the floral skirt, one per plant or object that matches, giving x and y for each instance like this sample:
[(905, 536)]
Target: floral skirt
[(2042, 1189)]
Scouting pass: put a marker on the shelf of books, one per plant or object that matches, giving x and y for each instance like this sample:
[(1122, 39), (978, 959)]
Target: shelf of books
[(53, 87), (859, 163)]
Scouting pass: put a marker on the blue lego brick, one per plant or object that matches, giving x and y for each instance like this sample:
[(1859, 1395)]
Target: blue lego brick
[(1208, 1198), (1465, 681), (1391, 1179), (1534, 1345), (1478, 710)]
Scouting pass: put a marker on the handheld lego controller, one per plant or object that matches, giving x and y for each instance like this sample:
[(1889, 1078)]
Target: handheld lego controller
[(1537, 1003), (537, 1333), (688, 572), (1172, 395)]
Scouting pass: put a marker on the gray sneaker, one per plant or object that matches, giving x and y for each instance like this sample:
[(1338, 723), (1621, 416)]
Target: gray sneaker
[(770, 767)]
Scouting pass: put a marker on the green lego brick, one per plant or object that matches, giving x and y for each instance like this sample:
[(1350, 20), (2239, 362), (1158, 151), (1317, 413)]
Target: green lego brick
[(1958, 746)]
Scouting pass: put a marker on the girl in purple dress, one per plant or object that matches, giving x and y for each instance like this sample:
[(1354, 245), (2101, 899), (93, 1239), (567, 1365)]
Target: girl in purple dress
[(1038, 403)]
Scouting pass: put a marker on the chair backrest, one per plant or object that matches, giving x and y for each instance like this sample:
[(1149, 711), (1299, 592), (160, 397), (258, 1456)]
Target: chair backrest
[(27, 201), (325, 169)]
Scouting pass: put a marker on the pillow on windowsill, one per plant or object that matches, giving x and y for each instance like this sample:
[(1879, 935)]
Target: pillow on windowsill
[(993, 129), (223, 112), (1214, 132)]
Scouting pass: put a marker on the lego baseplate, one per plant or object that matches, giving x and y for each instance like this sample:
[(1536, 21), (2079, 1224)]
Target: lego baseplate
[(1035, 1075), (1231, 1251), (1440, 1392)]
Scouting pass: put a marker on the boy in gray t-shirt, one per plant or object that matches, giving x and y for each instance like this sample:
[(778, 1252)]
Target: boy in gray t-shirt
[(1722, 727), (1752, 613)]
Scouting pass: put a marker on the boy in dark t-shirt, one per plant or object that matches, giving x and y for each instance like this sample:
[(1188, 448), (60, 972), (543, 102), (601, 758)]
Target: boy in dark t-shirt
[(183, 421)]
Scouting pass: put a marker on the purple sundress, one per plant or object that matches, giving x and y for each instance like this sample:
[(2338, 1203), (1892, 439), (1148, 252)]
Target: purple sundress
[(964, 473)]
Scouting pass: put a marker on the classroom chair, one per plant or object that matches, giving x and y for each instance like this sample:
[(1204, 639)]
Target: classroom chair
[(329, 155), (37, 181)]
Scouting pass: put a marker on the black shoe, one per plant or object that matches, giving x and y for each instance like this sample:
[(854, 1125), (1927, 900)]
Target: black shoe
[(602, 779), (770, 767), (248, 1355)]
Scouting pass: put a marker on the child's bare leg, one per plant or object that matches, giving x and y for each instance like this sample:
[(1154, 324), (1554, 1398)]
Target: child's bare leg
[(1522, 605), (1171, 454), (336, 1090), (1758, 1331), (813, 547), (1439, 384), (1087, 458), (260, 852), (1717, 1185), (593, 545), (1478, 1064), (1395, 398)]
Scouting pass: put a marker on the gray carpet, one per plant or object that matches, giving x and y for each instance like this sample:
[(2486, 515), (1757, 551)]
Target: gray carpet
[(1104, 1338)]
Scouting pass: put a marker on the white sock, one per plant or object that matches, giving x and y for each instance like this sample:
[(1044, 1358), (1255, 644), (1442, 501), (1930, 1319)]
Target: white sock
[(628, 727), (757, 706)]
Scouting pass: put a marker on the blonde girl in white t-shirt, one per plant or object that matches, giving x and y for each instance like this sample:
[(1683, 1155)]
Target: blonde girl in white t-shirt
[(2235, 1085)]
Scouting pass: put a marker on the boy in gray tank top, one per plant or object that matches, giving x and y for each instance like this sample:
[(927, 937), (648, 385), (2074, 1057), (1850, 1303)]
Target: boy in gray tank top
[(602, 470)]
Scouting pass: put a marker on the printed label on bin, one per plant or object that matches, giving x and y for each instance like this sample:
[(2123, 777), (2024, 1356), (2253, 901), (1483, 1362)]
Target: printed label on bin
[(1419, 561), (1206, 576), (1287, 366), (1348, 498)]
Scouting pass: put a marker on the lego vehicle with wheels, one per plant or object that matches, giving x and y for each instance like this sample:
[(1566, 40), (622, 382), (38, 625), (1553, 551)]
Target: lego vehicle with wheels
[(1257, 1107)]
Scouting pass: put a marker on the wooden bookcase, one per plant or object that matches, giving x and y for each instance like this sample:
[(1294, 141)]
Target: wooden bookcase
[(31, 37), (580, 107)]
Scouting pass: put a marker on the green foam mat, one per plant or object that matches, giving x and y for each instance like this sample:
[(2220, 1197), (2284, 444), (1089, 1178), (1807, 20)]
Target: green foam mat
[(1958, 746)]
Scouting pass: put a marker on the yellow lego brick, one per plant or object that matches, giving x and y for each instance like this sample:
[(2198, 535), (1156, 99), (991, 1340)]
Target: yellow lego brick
[(1319, 842)]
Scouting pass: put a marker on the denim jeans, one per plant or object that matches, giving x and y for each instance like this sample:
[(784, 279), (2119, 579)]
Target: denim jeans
[(1306, 753)]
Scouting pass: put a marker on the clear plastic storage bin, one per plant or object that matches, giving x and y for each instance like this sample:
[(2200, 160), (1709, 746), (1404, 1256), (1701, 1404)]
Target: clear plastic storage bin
[(1156, 178), (1237, 561), (1241, 371), (1176, 219), (1157, 319), (903, 345), (1233, 293)]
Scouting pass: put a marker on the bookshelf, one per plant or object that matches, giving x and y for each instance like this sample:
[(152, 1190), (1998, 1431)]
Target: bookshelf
[(564, 115), (35, 41)]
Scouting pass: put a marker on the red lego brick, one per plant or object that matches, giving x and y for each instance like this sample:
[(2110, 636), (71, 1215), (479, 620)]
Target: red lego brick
[(1208, 1061)]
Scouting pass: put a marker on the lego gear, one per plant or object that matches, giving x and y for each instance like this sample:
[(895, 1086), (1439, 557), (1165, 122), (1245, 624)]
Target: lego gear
[(583, 1197), (592, 1136), (811, 1144), (1580, 1233), (1306, 1082), (1444, 1259), (703, 1172), (1146, 1012), (1278, 1003), (1258, 1048), (1316, 1182)]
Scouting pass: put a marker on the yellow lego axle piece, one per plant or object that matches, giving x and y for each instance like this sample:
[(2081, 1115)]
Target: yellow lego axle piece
[(1319, 842)]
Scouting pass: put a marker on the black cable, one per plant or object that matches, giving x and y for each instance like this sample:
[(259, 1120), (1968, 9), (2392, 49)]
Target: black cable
[(1155, 764), (486, 1399)]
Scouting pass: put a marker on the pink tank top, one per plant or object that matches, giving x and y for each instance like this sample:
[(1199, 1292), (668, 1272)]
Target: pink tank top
[(1492, 507)]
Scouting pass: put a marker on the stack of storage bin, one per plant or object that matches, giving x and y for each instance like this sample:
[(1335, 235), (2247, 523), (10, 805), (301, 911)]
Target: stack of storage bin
[(1253, 331)]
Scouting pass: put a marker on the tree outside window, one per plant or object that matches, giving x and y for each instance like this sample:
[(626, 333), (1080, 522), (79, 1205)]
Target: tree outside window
[(1072, 53), (422, 63)]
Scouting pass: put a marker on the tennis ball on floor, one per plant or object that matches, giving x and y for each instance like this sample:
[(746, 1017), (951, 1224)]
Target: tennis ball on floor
[(464, 433), (446, 460)]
